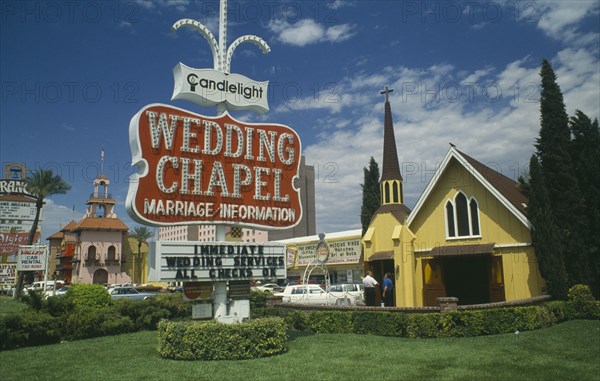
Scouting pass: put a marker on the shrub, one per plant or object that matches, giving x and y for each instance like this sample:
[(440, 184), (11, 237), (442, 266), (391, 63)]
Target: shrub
[(379, 323), (580, 293), (28, 328), (556, 308), (86, 322), (330, 322), (293, 319), (89, 295), (174, 303), (145, 314), (432, 325), (34, 299), (258, 299), (217, 341), (581, 304), (58, 306)]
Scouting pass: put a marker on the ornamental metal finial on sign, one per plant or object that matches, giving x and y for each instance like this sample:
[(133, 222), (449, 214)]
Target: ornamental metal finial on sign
[(219, 86)]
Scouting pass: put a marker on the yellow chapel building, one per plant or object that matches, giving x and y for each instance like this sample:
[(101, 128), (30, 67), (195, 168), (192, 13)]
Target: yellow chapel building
[(468, 235)]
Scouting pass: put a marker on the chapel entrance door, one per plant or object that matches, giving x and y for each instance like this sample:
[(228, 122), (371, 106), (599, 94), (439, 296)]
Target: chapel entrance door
[(467, 277), (496, 280), (433, 285)]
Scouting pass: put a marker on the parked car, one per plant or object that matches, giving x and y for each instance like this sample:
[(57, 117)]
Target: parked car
[(308, 294), (44, 286), (129, 293), (268, 287), (348, 294), (58, 292)]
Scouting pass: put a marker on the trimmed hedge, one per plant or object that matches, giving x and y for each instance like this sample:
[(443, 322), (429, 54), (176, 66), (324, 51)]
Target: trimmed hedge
[(85, 323), (432, 325), (54, 319), (72, 317), (28, 328), (218, 341)]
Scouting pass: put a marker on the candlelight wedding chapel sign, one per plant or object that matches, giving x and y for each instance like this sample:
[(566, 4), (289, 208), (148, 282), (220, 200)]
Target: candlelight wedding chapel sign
[(197, 169), (217, 170)]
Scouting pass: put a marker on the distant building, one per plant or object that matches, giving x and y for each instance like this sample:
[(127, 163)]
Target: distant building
[(344, 264), (307, 225), (91, 250), (61, 249)]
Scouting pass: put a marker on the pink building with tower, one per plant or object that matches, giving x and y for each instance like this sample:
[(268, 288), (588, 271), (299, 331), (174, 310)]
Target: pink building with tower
[(99, 239)]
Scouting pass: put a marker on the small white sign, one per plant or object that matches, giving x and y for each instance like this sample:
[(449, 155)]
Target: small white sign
[(202, 311), (209, 87), (7, 273), (32, 258)]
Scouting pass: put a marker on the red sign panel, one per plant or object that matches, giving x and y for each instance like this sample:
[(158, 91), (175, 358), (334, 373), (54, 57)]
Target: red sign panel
[(10, 242), (215, 170)]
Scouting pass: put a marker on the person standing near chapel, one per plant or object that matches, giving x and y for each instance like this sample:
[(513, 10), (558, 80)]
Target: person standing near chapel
[(370, 283), (387, 293)]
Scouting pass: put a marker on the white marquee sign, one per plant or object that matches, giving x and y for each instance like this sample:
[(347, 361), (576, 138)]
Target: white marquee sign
[(177, 261)]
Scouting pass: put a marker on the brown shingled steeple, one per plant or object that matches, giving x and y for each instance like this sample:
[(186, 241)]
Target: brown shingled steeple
[(391, 179)]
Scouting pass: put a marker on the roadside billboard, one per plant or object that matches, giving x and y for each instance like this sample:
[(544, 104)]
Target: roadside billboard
[(32, 258)]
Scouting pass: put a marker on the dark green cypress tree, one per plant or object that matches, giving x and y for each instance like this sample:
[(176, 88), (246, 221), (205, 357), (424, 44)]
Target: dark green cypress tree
[(566, 201), (371, 197), (585, 152), (546, 236)]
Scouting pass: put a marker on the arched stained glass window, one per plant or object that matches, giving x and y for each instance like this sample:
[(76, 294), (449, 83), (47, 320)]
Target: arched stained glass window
[(450, 219), (474, 217), (462, 215)]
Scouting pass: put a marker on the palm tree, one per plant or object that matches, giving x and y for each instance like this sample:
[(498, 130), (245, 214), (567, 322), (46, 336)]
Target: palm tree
[(41, 184), (141, 234)]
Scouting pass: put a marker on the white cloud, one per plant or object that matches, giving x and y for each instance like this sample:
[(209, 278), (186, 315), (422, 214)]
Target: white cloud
[(559, 19), (56, 216), (307, 32), (497, 129)]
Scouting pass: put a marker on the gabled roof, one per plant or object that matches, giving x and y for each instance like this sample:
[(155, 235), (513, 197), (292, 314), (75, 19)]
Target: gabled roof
[(58, 235), (69, 226), (100, 223), (61, 233), (502, 187)]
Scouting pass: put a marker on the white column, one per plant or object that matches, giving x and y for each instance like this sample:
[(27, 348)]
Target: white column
[(220, 297)]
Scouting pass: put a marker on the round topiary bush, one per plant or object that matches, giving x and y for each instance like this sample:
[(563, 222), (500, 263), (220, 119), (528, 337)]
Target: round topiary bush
[(218, 341), (580, 293), (89, 295)]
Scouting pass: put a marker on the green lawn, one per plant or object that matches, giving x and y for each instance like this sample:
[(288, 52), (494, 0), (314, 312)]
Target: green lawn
[(568, 351)]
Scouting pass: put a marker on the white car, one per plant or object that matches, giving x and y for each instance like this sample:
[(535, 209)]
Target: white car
[(308, 294), (129, 293), (348, 294), (268, 287)]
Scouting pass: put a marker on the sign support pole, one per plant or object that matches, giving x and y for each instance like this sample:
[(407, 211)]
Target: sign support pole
[(220, 294)]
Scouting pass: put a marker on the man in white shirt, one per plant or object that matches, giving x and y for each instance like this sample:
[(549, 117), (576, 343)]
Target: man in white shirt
[(370, 283)]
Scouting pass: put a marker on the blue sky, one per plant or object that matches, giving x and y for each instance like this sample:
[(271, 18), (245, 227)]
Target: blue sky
[(73, 74)]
